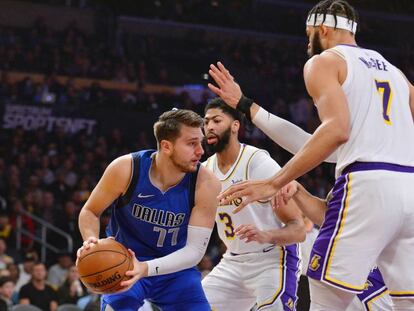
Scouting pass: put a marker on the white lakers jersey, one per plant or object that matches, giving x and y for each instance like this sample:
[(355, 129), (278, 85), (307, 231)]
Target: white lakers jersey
[(382, 128), (259, 214)]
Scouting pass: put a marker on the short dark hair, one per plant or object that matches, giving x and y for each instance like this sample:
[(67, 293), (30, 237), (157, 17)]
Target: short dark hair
[(220, 104), (169, 123), (336, 8), (4, 280)]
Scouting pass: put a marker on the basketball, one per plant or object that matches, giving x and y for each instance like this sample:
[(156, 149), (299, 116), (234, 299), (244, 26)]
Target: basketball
[(102, 267)]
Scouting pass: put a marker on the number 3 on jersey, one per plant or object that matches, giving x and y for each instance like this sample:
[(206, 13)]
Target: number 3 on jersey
[(384, 89), (229, 231)]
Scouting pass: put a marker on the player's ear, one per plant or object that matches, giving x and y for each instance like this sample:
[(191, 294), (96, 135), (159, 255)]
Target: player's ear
[(166, 146), (323, 31), (235, 126)]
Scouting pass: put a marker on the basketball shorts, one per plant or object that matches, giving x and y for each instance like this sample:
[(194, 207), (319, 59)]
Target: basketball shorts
[(369, 222), (171, 292), (375, 296), (267, 279)]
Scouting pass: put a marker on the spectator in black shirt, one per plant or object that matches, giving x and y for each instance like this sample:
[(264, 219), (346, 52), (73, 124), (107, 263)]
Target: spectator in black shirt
[(37, 292)]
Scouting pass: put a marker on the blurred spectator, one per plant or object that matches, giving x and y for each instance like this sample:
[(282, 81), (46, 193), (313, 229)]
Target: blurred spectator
[(58, 272), (37, 292), (14, 274), (67, 221), (71, 289), (6, 229), (26, 268), (4, 258), (6, 293), (27, 224)]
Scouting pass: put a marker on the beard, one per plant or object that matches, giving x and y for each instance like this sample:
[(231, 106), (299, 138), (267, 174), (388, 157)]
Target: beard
[(316, 46), (221, 144)]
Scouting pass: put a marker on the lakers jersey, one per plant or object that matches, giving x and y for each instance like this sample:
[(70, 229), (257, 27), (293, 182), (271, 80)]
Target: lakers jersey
[(259, 214), (151, 222), (382, 128)]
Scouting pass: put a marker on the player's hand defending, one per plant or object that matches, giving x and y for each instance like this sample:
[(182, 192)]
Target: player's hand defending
[(285, 194), (250, 233), (249, 191), (139, 271), (228, 89)]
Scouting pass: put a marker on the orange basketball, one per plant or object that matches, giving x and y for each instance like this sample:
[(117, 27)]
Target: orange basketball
[(102, 267)]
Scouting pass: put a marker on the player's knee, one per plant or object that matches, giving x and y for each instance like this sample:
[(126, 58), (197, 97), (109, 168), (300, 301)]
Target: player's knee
[(328, 298), (403, 304)]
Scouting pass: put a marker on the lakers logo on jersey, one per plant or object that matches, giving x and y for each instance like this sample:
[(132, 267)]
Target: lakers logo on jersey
[(290, 304), (368, 284), (314, 263)]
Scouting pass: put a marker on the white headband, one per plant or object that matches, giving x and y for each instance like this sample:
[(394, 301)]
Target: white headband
[(341, 22)]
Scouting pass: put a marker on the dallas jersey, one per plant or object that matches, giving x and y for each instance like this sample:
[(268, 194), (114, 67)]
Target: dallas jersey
[(380, 116), (250, 163), (150, 222)]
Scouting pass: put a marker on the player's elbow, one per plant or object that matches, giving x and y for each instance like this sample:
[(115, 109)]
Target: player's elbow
[(340, 132), (343, 137)]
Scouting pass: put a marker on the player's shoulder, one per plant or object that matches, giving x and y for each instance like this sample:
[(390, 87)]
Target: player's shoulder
[(121, 162), (207, 179), (326, 60), (254, 153)]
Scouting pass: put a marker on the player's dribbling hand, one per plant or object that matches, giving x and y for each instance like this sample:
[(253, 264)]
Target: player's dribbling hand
[(139, 271), (250, 233), (284, 195), (249, 191), (228, 89)]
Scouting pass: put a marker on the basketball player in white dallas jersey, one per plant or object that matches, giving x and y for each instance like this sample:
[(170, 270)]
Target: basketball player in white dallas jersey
[(264, 272), (366, 107)]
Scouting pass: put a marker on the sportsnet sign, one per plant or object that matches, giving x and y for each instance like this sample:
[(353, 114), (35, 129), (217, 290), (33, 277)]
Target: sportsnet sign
[(31, 118)]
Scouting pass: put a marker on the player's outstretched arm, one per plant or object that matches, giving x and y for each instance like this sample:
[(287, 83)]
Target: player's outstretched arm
[(321, 77), (199, 231), (282, 132), (113, 183)]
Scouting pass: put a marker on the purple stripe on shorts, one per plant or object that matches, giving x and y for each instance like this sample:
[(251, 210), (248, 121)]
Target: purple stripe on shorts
[(328, 230), (289, 297), (374, 284), (290, 279), (369, 166)]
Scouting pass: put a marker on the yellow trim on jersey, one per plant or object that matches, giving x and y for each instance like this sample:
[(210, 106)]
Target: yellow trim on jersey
[(237, 163), (247, 174), (281, 281), (341, 226), (375, 298), (208, 164), (248, 163)]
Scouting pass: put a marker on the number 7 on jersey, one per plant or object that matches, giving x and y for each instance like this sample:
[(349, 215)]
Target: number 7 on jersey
[(384, 89)]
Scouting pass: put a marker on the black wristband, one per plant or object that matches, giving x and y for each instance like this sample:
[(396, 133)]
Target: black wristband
[(244, 105)]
